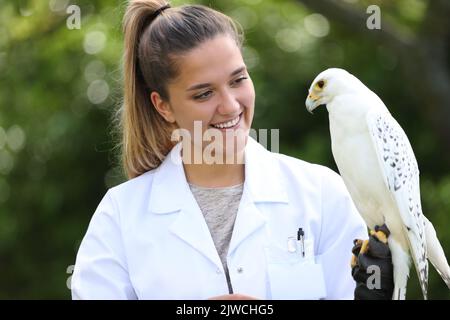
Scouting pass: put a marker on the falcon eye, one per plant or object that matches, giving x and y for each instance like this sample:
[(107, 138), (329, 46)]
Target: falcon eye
[(321, 84)]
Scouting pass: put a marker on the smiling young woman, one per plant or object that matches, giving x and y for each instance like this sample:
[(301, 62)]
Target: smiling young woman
[(214, 88), (181, 230), (177, 72)]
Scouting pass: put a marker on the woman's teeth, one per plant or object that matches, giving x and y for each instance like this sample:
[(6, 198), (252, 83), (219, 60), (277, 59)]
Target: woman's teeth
[(228, 124)]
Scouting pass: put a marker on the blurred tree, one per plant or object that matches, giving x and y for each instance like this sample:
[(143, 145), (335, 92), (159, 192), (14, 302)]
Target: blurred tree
[(60, 87), (423, 50)]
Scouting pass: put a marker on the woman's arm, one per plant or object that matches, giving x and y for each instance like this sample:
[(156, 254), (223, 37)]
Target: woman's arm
[(101, 270), (341, 224)]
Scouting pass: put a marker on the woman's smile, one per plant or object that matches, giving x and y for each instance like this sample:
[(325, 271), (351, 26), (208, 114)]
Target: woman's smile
[(229, 124)]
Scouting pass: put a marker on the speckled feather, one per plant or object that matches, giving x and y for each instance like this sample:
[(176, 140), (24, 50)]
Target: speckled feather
[(401, 174)]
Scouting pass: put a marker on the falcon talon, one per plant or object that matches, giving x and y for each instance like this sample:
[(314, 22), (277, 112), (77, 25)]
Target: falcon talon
[(353, 262), (380, 235), (364, 247)]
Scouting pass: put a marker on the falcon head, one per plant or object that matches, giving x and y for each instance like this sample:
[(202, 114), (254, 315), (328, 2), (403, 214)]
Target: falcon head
[(328, 84)]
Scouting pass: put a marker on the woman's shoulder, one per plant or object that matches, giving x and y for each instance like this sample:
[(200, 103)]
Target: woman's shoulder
[(129, 198), (292, 169), (134, 187), (307, 170)]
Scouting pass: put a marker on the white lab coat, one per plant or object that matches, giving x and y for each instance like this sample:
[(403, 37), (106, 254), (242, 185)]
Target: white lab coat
[(148, 238)]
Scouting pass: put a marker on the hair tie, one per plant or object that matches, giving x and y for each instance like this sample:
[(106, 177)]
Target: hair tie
[(157, 12)]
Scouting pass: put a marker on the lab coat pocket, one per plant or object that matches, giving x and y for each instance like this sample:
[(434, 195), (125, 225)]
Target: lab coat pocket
[(294, 277)]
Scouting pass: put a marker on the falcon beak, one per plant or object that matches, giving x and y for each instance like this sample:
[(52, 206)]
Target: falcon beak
[(312, 102)]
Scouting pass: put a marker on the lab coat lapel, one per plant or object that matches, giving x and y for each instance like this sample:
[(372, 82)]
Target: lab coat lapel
[(191, 227), (262, 184), (170, 193), (248, 220)]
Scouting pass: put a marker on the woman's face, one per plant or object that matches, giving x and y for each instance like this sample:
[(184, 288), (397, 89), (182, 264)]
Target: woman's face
[(215, 88)]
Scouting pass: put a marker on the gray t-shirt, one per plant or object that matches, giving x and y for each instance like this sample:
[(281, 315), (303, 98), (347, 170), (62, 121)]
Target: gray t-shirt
[(219, 207)]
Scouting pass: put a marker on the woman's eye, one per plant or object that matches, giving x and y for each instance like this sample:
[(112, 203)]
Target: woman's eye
[(203, 95), (208, 93), (240, 79)]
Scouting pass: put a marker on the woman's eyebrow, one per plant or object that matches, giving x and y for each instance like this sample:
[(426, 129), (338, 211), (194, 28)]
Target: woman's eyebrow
[(206, 85)]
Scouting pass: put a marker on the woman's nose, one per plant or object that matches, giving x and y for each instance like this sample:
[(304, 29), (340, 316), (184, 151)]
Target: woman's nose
[(228, 104)]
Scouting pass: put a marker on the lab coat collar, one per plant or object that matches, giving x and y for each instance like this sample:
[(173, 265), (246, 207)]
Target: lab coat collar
[(263, 181)]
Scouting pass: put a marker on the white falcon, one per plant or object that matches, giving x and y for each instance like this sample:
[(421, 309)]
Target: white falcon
[(378, 166)]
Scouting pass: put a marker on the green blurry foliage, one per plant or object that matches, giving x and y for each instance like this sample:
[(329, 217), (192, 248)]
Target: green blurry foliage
[(59, 89)]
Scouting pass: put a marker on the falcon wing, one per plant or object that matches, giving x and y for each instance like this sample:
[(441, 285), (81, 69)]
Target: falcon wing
[(401, 175)]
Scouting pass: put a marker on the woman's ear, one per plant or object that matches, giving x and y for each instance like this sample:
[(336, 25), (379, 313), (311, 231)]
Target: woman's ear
[(162, 107)]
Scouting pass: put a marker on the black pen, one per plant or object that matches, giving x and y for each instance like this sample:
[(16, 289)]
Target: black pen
[(301, 238)]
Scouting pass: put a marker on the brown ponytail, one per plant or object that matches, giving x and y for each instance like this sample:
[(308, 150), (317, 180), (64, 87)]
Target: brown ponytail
[(151, 47)]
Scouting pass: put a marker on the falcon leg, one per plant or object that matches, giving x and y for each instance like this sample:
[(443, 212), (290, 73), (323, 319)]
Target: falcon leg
[(381, 233), (401, 262), (399, 294)]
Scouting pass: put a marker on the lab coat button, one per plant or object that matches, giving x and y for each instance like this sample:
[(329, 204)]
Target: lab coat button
[(218, 271), (240, 270)]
